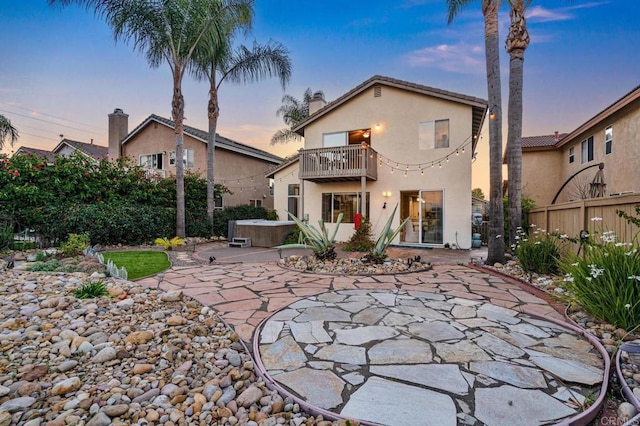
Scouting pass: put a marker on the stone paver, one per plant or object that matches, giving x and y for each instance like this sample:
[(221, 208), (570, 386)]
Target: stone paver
[(447, 346)]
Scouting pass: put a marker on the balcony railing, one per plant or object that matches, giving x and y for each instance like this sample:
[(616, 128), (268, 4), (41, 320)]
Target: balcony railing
[(340, 163)]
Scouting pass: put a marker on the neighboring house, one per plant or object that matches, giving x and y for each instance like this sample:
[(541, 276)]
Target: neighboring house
[(43, 153), (240, 167), (396, 142), (67, 148), (561, 167)]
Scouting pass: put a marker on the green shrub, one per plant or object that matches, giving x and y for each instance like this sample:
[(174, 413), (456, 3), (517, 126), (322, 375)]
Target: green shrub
[(90, 290), (537, 252), (48, 266), (294, 237), (6, 235), (112, 201), (605, 279), (318, 240), (362, 239), (75, 245), (41, 256), (379, 251)]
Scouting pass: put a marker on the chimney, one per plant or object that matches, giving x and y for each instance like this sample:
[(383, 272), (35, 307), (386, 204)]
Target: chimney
[(118, 129), (556, 136), (316, 102)]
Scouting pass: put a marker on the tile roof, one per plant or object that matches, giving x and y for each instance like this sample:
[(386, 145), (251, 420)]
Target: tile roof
[(25, 150), (285, 163), (479, 105), (221, 141), (541, 141), (97, 152)]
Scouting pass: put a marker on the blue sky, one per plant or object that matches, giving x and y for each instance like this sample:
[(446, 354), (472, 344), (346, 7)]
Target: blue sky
[(62, 72)]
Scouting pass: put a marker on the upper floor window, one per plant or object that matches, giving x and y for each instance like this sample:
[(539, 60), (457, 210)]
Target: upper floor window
[(587, 150), (572, 156), (187, 158), (433, 134), (272, 186), (152, 161), (608, 140), (353, 137)]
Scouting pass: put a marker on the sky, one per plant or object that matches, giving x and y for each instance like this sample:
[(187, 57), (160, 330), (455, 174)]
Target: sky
[(62, 73)]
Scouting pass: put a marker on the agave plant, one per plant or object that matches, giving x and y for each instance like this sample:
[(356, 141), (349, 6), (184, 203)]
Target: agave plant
[(168, 244), (316, 239), (379, 251)]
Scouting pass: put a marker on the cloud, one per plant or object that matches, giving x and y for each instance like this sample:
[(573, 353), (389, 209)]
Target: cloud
[(459, 58), (540, 14)]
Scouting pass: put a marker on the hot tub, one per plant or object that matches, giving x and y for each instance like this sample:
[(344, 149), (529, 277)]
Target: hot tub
[(263, 233)]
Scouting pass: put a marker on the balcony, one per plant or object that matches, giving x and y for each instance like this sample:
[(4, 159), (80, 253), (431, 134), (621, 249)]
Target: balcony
[(338, 164)]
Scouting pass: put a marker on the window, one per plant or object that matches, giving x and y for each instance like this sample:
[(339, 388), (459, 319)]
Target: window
[(272, 186), (587, 150), (347, 203), (187, 155), (334, 139), (293, 198), (433, 134), (217, 202), (255, 203), (151, 161), (572, 156), (608, 140)]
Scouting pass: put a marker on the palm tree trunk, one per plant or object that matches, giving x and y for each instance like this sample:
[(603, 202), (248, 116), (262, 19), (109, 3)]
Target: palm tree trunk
[(213, 114), (517, 42), (177, 111), (496, 210)]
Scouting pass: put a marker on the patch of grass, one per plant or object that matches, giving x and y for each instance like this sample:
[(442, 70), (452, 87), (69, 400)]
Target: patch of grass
[(139, 263), (91, 290)]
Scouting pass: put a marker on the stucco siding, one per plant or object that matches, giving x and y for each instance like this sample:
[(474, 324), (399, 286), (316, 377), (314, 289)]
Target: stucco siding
[(394, 119), (233, 169), (543, 172)]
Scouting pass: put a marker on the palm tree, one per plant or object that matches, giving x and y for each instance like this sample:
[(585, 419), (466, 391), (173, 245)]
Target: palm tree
[(492, 55), (216, 61), (517, 43), (7, 131), (293, 111), (167, 31)]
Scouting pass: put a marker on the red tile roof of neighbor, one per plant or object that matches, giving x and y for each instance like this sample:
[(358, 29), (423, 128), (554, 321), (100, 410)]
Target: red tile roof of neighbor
[(542, 141)]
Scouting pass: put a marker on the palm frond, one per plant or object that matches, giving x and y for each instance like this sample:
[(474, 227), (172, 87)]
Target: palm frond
[(285, 136), (260, 62), (7, 131), (454, 6)]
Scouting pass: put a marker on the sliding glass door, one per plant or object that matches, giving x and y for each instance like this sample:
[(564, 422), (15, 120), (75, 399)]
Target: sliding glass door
[(425, 210), (431, 217)]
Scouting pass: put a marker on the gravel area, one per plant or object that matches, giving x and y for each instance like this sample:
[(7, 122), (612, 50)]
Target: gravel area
[(141, 356), (353, 266)]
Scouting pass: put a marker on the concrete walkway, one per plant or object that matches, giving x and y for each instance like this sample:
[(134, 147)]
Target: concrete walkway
[(453, 345)]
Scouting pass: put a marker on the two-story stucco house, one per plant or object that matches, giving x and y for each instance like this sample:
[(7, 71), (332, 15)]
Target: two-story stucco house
[(387, 142), (559, 168), (240, 167)]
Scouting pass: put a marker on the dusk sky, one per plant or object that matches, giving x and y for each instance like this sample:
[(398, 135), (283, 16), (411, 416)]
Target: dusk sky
[(62, 72)]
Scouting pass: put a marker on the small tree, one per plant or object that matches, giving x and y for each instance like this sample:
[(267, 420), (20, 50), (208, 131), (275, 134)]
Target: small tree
[(477, 192)]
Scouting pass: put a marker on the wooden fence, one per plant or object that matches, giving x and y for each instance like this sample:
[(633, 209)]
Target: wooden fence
[(571, 218)]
